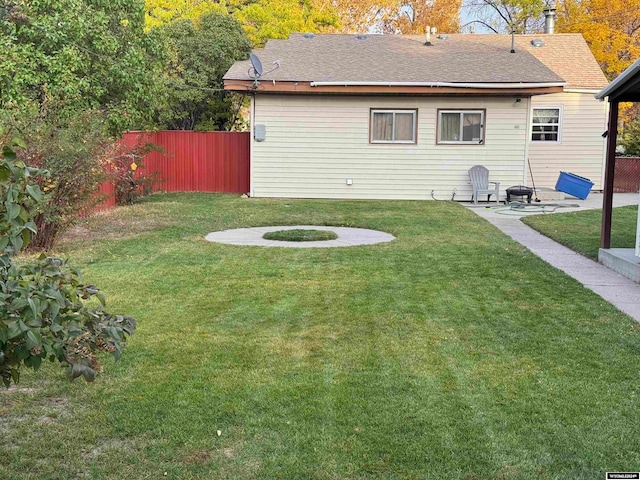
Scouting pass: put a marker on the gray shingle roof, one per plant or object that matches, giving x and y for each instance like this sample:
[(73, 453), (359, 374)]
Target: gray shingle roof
[(395, 58), (567, 54)]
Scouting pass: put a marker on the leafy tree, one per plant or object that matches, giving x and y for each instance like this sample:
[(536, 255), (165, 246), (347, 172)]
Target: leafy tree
[(357, 16), (161, 12), (398, 16), (265, 19), (630, 138), (200, 53), (261, 19), (45, 309), (417, 15), (610, 27), (80, 55), (82, 72), (505, 16)]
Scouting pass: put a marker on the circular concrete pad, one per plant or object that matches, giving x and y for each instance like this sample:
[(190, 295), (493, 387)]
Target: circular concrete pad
[(347, 237)]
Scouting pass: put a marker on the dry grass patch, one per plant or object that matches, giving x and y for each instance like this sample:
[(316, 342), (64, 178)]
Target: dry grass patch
[(119, 223)]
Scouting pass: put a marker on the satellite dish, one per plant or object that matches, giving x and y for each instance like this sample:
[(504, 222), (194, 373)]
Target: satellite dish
[(256, 66), (256, 72)]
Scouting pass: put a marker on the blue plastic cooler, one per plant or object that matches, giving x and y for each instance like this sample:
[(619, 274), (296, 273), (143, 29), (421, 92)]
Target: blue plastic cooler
[(574, 185)]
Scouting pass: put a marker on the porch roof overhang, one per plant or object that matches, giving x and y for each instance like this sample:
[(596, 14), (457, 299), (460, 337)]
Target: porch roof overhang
[(625, 88), (393, 88)]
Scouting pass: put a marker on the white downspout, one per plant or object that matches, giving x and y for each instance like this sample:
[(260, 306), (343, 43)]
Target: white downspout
[(527, 141)]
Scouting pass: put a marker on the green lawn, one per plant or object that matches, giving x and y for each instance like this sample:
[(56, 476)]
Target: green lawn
[(580, 231), (300, 235), (451, 352)]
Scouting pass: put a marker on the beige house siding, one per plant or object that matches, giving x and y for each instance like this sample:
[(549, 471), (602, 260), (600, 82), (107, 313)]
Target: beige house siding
[(581, 149), (315, 143)]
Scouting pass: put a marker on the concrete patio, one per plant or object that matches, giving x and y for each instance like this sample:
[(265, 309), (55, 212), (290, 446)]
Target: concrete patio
[(569, 204)]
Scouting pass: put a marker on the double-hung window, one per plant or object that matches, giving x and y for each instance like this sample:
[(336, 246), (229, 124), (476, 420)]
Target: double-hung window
[(461, 127), (545, 124), (393, 126)]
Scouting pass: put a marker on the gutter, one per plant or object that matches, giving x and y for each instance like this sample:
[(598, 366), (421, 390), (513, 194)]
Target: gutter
[(581, 90), (491, 86)]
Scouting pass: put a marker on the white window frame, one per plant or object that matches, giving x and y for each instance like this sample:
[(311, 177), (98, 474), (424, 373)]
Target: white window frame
[(547, 107), (461, 112), (414, 130)]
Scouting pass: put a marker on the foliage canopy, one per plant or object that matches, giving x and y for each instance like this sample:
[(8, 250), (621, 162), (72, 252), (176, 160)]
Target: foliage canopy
[(630, 138), (199, 54), (610, 27), (79, 55)]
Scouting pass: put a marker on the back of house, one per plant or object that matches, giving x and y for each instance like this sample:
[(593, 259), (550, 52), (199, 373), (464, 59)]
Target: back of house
[(398, 117)]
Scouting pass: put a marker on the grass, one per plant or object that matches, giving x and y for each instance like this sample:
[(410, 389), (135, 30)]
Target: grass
[(300, 235), (580, 231), (451, 352)]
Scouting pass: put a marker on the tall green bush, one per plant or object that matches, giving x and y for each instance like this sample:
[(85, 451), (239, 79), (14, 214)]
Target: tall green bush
[(75, 152), (46, 312)]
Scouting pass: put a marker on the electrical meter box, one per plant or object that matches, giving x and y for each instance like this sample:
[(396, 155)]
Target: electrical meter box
[(259, 132)]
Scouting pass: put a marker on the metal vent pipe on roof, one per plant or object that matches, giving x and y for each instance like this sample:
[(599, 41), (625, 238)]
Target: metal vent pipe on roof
[(428, 32), (550, 19)]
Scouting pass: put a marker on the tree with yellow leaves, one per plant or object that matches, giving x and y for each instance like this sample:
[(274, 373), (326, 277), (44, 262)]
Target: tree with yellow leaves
[(398, 16), (417, 15), (265, 19), (262, 19), (159, 12), (361, 16), (610, 27)]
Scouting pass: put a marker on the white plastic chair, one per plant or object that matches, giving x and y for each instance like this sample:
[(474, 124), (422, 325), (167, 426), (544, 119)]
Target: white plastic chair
[(479, 177)]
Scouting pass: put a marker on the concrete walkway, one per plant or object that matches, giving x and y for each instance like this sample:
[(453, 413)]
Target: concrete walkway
[(614, 288), (347, 237)]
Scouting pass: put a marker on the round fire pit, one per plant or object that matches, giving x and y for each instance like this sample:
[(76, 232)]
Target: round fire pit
[(519, 191)]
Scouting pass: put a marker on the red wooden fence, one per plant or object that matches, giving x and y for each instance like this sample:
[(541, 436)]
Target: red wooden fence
[(627, 174), (191, 162)]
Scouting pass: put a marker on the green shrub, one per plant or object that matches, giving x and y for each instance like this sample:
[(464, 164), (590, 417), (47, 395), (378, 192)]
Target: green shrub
[(45, 309), (76, 154), (127, 173), (630, 138)]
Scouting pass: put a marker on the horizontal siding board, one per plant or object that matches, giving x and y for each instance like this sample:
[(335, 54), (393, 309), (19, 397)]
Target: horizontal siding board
[(582, 148), (314, 143)]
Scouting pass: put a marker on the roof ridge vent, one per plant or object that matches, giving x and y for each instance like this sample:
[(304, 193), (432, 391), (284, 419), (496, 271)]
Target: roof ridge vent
[(361, 37), (537, 42), (309, 35)]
